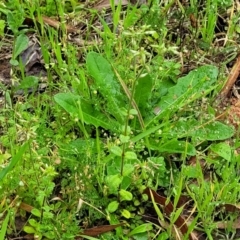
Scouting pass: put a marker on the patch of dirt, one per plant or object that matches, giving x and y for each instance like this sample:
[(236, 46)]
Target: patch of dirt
[(31, 58)]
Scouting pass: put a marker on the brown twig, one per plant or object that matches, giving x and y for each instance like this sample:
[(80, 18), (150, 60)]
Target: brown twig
[(56, 24), (234, 73)]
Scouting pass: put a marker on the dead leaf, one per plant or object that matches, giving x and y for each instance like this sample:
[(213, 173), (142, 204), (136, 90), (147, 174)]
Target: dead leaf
[(95, 231), (28, 237), (227, 224), (168, 209), (56, 24), (26, 207), (52, 23), (231, 207), (193, 20)]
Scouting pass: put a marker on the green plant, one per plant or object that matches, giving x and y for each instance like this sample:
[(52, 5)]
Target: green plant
[(118, 118), (122, 158)]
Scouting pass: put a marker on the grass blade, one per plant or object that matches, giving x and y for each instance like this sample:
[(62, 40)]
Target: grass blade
[(14, 161), (4, 227)]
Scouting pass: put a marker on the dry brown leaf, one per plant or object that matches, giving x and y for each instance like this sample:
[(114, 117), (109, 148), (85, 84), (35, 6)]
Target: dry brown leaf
[(51, 22), (56, 24), (28, 237), (26, 207), (93, 232), (226, 224), (168, 209), (231, 207)]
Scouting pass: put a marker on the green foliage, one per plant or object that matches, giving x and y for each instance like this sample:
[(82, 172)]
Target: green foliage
[(189, 88), (15, 20), (20, 45), (142, 93), (106, 84), (141, 229), (84, 111), (14, 161), (223, 150), (80, 156), (28, 82), (175, 146), (2, 26), (205, 131), (4, 226)]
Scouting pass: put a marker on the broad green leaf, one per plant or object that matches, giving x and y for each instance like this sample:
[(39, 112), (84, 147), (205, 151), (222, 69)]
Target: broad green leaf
[(49, 235), (175, 146), (125, 195), (33, 222), (128, 169), (69, 102), (195, 85), (215, 131), (126, 213), (14, 62), (130, 155), (36, 212), (143, 92), (126, 182), (3, 229), (112, 206), (106, 84), (113, 182), (81, 109), (163, 236), (141, 229), (166, 84), (13, 161), (29, 229), (28, 82), (223, 150), (116, 151), (192, 128), (20, 45)]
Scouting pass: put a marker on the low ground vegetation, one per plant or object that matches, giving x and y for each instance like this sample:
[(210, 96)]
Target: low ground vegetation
[(114, 120)]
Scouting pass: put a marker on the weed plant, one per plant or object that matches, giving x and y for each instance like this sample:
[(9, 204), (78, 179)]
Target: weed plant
[(123, 119)]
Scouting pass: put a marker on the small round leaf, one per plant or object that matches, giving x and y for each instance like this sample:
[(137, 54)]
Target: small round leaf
[(125, 195), (112, 206), (126, 213)]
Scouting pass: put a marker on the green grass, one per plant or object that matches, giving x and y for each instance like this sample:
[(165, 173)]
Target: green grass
[(134, 110)]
